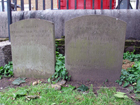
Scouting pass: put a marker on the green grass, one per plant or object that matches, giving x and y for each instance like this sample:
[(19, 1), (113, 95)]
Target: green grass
[(49, 96)]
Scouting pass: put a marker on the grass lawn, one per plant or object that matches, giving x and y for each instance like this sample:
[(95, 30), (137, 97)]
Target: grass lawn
[(41, 94)]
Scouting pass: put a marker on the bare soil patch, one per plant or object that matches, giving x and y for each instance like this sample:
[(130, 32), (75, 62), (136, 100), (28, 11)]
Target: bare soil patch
[(7, 82)]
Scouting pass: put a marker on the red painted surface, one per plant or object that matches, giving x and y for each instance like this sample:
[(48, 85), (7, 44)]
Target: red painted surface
[(80, 4)]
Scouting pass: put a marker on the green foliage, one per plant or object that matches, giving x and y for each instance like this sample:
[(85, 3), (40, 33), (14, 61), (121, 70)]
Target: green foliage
[(60, 70), (7, 70), (131, 56), (138, 86), (91, 88), (40, 95), (131, 76), (83, 88), (19, 93), (69, 88)]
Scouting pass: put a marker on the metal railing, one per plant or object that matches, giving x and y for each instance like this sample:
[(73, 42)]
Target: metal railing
[(15, 6), (12, 5)]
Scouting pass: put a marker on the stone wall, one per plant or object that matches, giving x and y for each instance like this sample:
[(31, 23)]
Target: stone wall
[(59, 17), (5, 53), (3, 25)]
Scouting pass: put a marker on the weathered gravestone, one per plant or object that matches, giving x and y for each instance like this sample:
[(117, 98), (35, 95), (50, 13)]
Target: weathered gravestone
[(94, 47), (33, 48)]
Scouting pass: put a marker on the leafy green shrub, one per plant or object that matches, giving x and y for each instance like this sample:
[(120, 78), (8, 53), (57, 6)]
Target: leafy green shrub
[(131, 76), (131, 56), (7, 70), (60, 70)]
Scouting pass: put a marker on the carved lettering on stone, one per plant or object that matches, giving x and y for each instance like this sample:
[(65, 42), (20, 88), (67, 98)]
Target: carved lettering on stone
[(94, 47), (33, 48)]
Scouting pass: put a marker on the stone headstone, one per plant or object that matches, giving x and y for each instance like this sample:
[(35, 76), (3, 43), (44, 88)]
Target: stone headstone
[(33, 48), (94, 47)]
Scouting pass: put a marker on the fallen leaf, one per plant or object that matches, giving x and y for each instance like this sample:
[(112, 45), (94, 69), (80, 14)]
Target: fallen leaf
[(120, 95), (62, 82), (18, 81), (134, 84), (19, 93), (32, 97), (56, 87), (53, 104), (35, 83)]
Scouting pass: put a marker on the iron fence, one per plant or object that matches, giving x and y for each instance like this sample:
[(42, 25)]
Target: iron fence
[(12, 6)]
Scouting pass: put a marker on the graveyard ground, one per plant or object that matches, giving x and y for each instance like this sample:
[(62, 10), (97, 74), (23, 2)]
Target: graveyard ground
[(30, 84), (108, 90), (6, 83), (42, 94)]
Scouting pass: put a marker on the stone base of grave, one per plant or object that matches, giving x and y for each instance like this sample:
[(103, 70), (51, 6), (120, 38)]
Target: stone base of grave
[(5, 53)]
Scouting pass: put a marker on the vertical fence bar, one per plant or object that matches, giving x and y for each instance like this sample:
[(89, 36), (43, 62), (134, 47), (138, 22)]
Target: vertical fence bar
[(118, 4), (84, 4), (59, 4), (43, 4), (110, 4), (101, 4), (22, 5), (51, 4), (2, 3), (36, 4), (75, 4), (92, 4), (128, 3), (137, 4), (67, 4), (29, 4), (15, 6), (9, 16)]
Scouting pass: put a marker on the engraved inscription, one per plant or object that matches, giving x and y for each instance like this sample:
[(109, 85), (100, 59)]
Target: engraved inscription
[(33, 52), (94, 47)]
